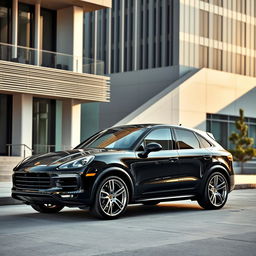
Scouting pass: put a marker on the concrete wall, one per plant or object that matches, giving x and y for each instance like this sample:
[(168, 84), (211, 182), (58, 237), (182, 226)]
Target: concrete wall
[(129, 91), (207, 91)]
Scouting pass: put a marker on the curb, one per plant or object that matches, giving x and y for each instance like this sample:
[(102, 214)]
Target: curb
[(9, 201), (245, 186)]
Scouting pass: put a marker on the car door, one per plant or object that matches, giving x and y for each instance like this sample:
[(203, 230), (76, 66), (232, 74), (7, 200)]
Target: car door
[(152, 173), (193, 158)]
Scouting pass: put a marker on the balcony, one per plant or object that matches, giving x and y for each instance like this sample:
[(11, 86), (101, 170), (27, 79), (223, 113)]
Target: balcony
[(39, 72)]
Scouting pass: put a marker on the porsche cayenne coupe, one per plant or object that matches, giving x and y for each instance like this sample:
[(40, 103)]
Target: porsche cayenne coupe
[(129, 164)]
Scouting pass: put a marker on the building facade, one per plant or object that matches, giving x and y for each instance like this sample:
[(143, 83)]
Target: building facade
[(44, 76), (189, 62)]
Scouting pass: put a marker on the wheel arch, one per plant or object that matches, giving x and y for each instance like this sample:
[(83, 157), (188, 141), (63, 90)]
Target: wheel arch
[(217, 168), (114, 171)]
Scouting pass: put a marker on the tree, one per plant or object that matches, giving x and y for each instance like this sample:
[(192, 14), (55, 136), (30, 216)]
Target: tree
[(244, 150)]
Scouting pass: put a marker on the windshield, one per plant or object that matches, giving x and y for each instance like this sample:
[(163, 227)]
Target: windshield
[(116, 138)]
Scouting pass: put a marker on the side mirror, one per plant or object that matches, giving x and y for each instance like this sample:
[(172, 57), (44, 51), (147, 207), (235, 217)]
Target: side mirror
[(151, 147)]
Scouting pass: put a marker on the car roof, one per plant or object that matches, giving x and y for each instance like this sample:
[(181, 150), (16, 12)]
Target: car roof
[(203, 133), (154, 125)]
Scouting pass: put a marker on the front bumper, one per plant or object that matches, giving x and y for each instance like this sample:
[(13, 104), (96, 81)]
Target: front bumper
[(61, 189)]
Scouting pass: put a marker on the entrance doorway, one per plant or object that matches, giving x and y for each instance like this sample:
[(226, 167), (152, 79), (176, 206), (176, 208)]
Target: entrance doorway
[(43, 125), (5, 122)]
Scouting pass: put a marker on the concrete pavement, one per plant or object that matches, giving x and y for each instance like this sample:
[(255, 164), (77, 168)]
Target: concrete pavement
[(175, 228)]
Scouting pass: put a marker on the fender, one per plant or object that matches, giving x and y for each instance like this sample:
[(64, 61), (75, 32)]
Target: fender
[(209, 172), (109, 170)]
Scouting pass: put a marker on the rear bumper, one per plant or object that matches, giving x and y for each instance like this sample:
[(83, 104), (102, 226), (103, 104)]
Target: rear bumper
[(232, 182)]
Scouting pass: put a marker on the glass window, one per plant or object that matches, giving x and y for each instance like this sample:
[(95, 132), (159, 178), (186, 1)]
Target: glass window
[(26, 25), (217, 27), (204, 23), (252, 133), (44, 111), (160, 136), (5, 21), (204, 143), (48, 19), (218, 2), (222, 126), (217, 59), (203, 56), (116, 138), (186, 139)]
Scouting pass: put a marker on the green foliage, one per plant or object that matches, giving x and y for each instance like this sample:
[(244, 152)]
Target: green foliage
[(244, 150)]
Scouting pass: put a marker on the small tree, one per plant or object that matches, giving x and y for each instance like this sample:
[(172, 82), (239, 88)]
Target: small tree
[(244, 150)]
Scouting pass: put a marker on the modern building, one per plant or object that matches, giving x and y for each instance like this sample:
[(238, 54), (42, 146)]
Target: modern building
[(44, 76), (189, 62)]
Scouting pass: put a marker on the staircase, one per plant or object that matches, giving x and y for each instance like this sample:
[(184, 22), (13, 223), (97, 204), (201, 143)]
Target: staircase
[(7, 163)]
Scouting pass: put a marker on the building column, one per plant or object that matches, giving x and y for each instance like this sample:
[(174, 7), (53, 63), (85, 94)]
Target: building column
[(95, 42), (14, 27), (70, 38), (108, 52), (37, 32), (71, 123), (22, 124), (136, 34), (121, 33)]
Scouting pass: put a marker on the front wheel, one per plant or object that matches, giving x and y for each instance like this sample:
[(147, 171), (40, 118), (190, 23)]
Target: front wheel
[(111, 198), (215, 192), (47, 208)]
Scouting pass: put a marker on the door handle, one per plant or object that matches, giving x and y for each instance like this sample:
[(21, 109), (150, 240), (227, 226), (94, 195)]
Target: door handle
[(173, 159)]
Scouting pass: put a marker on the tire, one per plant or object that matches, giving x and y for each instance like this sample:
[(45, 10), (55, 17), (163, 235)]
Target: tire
[(215, 192), (47, 208), (151, 202), (111, 198)]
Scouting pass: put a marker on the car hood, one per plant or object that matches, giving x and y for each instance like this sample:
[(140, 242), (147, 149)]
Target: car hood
[(60, 157)]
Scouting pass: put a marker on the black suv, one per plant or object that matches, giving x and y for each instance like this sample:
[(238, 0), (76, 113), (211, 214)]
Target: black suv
[(129, 164)]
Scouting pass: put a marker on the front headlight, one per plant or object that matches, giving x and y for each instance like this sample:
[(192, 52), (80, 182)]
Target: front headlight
[(77, 163)]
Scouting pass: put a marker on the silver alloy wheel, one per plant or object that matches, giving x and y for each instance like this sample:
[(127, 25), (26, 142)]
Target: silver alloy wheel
[(217, 190), (113, 197)]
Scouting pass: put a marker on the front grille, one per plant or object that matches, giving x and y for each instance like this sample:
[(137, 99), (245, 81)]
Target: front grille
[(32, 180)]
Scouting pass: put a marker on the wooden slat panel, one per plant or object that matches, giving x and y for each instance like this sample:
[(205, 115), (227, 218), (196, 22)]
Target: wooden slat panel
[(23, 78)]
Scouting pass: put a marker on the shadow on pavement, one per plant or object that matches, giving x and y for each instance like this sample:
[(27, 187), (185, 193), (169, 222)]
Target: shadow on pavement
[(75, 215)]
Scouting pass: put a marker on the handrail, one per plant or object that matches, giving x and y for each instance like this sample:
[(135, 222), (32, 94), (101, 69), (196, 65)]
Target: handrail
[(47, 51), (19, 145)]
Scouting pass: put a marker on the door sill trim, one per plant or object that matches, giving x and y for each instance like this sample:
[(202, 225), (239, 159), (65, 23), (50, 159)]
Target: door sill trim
[(164, 198)]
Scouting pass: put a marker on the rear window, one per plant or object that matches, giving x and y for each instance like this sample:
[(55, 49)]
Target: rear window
[(204, 143), (186, 139)]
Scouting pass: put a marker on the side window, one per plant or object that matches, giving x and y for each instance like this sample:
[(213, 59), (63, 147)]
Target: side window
[(186, 139), (204, 143), (161, 136)]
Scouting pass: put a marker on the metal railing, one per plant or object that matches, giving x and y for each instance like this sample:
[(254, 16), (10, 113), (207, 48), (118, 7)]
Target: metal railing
[(41, 148), (23, 150), (57, 60), (19, 149)]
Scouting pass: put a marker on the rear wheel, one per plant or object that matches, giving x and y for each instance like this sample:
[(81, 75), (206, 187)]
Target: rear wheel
[(111, 198), (47, 208), (215, 193)]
